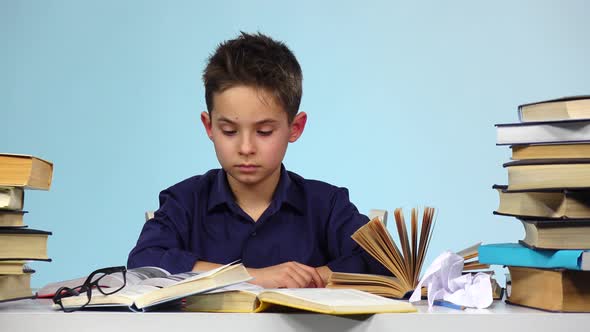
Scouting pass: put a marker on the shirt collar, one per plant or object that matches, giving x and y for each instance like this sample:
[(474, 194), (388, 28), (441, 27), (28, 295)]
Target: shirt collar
[(287, 192)]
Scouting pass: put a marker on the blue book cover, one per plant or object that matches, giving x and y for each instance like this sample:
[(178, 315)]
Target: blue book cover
[(514, 254)]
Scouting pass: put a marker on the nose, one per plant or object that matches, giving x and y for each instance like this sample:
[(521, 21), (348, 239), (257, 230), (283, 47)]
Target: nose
[(247, 146)]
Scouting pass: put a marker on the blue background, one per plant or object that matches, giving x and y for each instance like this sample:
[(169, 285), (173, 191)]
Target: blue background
[(402, 99)]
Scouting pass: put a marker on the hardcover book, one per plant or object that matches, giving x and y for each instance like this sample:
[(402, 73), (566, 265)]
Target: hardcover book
[(23, 244), (552, 234), (552, 290), (540, 174), (11, 198), (567, 108), (320, 300), (16, 286), (17, 170), (12, 267), (555, 204), (550, 151), (9, 218), (152, 293), (574, 131), (515, 254)]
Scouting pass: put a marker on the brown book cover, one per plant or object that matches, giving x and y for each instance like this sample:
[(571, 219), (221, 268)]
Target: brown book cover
[(550, 289), (17, 170)]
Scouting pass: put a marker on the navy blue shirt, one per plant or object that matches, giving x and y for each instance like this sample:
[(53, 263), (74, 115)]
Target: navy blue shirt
[(308, 221)]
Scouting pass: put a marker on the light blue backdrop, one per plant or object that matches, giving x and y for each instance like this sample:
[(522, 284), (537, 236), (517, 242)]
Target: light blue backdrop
[(402, 100)]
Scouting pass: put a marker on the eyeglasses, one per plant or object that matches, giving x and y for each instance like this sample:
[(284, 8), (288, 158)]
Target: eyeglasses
[(93, 281)]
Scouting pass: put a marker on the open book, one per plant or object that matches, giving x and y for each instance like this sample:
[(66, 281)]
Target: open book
[(249, 298), (145, 292), (404, 263), (115, 280)]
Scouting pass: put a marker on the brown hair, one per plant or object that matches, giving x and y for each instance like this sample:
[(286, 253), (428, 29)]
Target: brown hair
[(256, 60)]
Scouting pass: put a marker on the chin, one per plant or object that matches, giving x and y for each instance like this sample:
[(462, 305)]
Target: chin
[(247, 179)]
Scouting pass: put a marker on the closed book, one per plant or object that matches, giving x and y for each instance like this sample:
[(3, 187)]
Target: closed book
[(566, 108), (11, 198), (12, 267), (9, 218), (23, 244), (515, 254), (550, 151), (571, 131), (556, 234), (552, 290), (17, 170), (554, 204), (16, 286), (539, 174)]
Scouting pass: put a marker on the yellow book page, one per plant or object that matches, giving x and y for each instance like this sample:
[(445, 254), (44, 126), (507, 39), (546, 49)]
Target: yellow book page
[(333, 301)]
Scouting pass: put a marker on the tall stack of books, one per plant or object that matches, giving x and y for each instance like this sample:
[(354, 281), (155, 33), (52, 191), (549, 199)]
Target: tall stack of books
[(19, 243), (548, 192)]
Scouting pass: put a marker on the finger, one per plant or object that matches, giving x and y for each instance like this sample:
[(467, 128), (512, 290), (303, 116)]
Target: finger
[(298, 275), (313, 274), (292, 282)]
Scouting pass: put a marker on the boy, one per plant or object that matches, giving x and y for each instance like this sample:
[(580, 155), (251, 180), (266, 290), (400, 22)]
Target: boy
[(288, 231)]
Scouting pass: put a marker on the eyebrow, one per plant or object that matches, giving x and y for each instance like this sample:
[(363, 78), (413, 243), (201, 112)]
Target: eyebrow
[(264, 121)]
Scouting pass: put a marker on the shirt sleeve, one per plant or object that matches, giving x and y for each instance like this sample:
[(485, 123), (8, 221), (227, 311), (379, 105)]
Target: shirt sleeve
[(347, 255), (164, 240)]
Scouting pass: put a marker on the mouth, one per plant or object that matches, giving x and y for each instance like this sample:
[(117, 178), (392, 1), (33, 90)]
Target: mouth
[(247, 167)]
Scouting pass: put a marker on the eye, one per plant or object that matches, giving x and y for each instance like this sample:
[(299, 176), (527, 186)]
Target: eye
[(264, 132), (229, 132)]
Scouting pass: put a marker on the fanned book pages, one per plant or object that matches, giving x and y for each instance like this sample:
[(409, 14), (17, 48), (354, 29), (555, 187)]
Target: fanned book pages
[(405, 261)]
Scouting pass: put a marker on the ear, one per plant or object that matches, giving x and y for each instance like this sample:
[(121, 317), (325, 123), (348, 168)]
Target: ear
[(206, 120), (297, 126)]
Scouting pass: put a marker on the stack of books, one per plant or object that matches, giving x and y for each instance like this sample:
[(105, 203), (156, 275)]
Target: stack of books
[(18, 242), (548, 192)]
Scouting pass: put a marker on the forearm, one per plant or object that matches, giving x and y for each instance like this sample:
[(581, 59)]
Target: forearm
[(174, 260), (205, 266)]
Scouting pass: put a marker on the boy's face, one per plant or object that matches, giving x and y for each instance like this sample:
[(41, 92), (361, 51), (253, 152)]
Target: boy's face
[(250, 132)]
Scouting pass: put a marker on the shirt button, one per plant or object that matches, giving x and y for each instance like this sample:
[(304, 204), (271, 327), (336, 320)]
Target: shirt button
[(253, 234)]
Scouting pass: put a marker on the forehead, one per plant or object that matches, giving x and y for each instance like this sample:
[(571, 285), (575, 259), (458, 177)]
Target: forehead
[(245, 104)]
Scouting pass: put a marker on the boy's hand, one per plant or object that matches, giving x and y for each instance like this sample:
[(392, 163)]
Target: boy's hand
[(287, 275)]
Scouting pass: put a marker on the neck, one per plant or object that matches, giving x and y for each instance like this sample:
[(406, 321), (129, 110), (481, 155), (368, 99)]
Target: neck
[(255, 196)]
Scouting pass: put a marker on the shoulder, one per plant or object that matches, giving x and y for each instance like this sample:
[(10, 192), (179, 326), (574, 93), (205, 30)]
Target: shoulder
[(195, 182), (187, 190), (319, 191)]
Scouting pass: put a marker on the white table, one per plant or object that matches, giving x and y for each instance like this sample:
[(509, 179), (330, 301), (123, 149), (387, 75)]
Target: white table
[(37, 315)]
